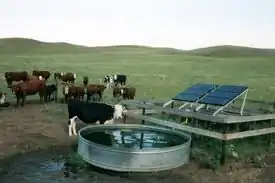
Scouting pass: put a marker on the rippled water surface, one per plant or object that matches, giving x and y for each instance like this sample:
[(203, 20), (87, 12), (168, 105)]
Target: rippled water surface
[(135, 138)]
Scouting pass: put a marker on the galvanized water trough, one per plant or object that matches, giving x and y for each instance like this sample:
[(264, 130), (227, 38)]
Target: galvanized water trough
[(116, 156)]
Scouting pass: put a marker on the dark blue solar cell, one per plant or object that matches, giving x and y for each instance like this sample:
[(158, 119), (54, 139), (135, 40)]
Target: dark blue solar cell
[(223, 95), (187, 97), (195, 92), (215, 101), (232, 88)]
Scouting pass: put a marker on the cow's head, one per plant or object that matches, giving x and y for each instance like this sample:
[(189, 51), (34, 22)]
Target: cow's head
[(3, 98), (74, 75), (106, 79), (118, 111), (8, 79), (122, 91), (66, 89), (15, 88)]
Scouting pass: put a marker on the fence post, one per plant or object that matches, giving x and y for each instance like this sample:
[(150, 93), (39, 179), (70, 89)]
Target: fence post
[(269, 141), (270, 122), (143, 113), (224, 143)]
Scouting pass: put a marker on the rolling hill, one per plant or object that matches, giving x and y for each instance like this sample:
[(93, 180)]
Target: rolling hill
[(232, 51), (31, 46)]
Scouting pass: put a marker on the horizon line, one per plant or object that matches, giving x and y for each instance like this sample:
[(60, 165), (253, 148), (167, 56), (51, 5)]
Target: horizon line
[(137, 45)]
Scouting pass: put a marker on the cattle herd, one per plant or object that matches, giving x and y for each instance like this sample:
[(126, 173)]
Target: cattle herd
[(23, 84)]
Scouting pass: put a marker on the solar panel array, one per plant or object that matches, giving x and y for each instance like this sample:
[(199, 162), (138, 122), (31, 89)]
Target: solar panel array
[(195, 92), (211, 94), (223, 95)]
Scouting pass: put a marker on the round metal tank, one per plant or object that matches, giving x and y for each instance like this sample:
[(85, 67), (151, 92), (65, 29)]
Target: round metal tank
[(137, 152)]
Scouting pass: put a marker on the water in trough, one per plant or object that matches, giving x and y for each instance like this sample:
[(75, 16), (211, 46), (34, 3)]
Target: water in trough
[(134, 139)]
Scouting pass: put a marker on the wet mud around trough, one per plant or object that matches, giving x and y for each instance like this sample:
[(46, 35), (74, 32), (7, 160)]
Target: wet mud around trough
[(50, 166)]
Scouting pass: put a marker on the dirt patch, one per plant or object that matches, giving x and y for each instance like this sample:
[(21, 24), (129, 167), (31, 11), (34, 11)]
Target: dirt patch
[(39, 127), (29, 128), (268, 175)]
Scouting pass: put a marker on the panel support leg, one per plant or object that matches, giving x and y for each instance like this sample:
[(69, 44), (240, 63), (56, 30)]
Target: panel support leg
[(244, 100)]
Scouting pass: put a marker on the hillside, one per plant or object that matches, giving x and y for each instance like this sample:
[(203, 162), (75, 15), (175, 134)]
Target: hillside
[(232, 51), (31, 46), (26, 46)]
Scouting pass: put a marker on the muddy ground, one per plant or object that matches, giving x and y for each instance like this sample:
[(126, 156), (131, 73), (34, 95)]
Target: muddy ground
[(39, 132)]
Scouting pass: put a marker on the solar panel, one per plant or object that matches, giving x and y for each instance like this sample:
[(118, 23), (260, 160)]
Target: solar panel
[(223, 95), (195, 92)]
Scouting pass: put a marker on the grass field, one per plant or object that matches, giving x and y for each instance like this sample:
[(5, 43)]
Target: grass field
[(157, 73)]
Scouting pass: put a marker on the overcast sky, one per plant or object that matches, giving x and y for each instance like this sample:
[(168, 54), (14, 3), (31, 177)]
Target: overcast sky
[(184, 24)]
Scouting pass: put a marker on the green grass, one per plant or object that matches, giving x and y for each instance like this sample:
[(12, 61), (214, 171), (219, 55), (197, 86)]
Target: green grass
[(156, 72), (159, 73)]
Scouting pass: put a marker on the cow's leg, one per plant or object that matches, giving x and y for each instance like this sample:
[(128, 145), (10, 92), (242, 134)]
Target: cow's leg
[(23, 100), (88, 97), (72, 126), (41, 97), (100, 96), (17, 101)]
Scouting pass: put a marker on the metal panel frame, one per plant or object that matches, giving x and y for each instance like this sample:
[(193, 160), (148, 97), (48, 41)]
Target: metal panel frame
[(187, 103), (228, 103)]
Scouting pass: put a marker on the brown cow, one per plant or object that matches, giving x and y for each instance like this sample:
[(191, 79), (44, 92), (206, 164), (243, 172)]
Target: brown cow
[(77, 92), (93, 89), (31, 87), (32, 77), (117, 92), (68, 77), (128, 93), (125, 92), (44, 74), (15, 76)]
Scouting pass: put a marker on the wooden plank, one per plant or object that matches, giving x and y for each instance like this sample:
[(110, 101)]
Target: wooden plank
[(242, 119), (137, 111), (199, 116), (251, 133), (172, 125), (163, 101)]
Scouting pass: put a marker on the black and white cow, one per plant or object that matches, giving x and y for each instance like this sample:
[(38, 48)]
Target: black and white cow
[(108, 80), (119, 79), (92, 113)]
